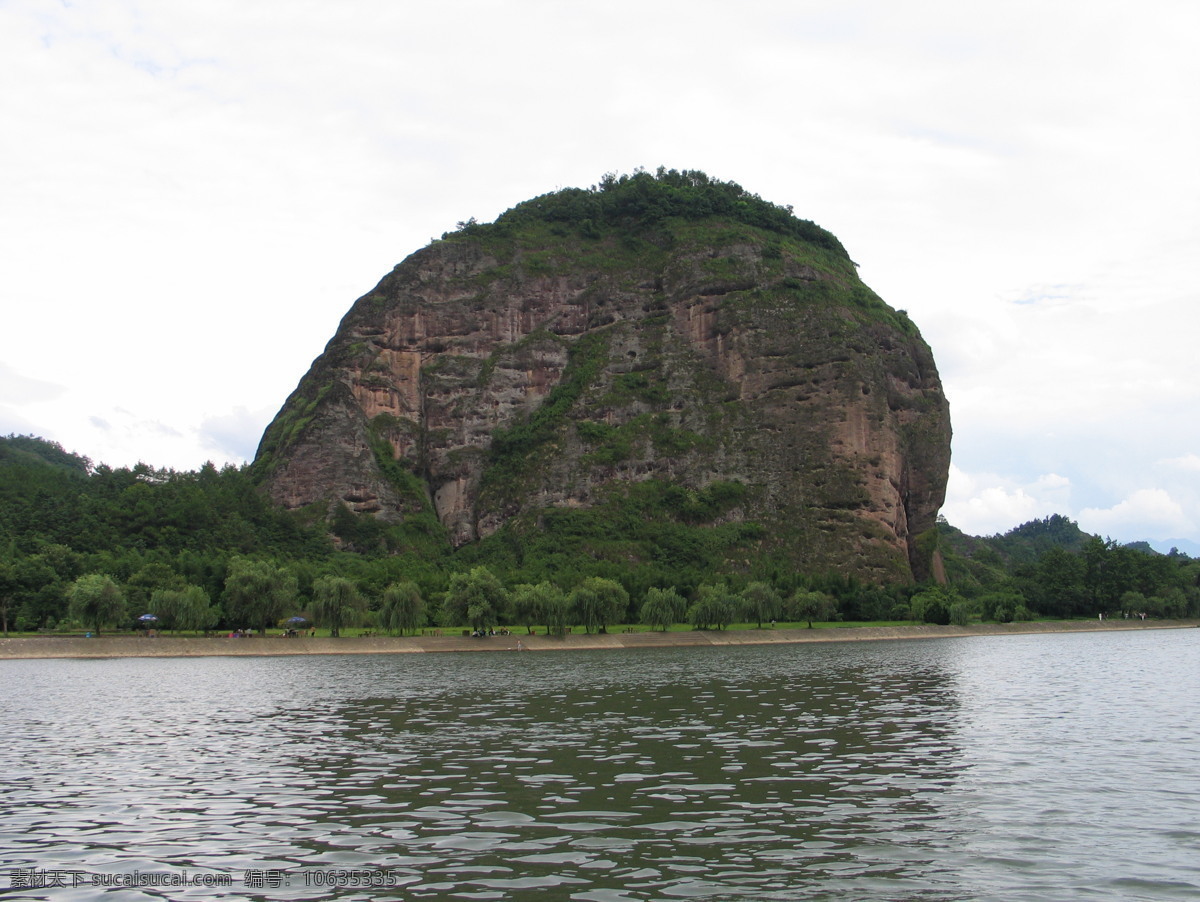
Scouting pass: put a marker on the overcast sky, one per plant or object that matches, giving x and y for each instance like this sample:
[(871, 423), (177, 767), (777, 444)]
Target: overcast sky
[(193, 192)]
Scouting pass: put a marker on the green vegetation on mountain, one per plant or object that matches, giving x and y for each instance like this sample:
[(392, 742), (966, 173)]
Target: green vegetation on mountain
[(641, 202), (96, 548)]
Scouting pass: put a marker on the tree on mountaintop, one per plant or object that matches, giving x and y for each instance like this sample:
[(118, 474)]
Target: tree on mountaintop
[(640, 200)]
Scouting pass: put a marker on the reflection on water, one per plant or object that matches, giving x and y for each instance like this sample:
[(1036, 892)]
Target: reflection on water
[(1034, 767)]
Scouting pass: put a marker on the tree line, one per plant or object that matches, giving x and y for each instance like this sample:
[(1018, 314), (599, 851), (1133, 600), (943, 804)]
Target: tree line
[(260, 596), (206, 550)]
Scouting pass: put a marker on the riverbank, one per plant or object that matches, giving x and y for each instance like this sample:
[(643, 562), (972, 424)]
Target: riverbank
[(169, 647)]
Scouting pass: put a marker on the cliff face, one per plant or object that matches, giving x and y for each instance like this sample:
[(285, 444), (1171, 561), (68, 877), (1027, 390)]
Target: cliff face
[(514, 369)]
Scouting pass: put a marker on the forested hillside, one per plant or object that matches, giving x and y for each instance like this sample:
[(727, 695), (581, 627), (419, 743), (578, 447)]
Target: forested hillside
[(97, 547)]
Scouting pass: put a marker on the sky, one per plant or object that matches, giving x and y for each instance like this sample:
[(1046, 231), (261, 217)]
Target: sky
[(193, 193)]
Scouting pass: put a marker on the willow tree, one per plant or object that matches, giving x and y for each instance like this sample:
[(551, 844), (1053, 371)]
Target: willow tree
[(810, 606), (714, 608), (183, 609), (556, 612), (336, 603), (598, 602), (8, 585), (761, 602), (96, 600), (534, 603), (476, 598), (257, 592), (663, 608), (402, 608)]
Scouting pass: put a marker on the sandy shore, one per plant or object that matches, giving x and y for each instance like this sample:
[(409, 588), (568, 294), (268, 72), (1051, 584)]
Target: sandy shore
[(136, 647)]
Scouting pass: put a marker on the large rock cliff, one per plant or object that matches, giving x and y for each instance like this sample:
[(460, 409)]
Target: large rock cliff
[(670, 342)]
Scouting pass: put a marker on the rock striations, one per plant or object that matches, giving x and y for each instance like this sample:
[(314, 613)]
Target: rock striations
[(660, 347)]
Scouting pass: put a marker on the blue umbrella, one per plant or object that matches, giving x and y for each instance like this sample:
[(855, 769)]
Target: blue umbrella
[(296, 621), (147, 618)]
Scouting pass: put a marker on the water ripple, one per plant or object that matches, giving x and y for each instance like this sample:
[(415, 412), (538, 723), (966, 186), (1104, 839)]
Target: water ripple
[(1047, 767)]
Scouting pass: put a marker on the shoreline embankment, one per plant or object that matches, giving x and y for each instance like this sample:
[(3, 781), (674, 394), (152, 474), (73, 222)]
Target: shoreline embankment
[(125, 646)]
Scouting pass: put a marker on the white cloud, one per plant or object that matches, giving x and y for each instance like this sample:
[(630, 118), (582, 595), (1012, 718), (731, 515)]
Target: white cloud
[(235, 435), (987, 504), (1149, 513), (13, 423), (17, 388), (1187, 463)]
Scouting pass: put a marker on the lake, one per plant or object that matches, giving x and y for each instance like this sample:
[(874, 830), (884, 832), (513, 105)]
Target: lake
[(1038, 767)]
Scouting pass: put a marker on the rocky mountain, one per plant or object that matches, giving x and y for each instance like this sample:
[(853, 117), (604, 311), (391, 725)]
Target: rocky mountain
[(659, 348)]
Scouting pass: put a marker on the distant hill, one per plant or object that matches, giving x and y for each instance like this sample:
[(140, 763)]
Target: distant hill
[(1026, 543), (1182, 546), (1021, 544), (29, 449), (988, 560), (1143, 547)]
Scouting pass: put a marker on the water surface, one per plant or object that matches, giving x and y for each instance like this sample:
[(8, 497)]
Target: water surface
[(1037, 767)]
